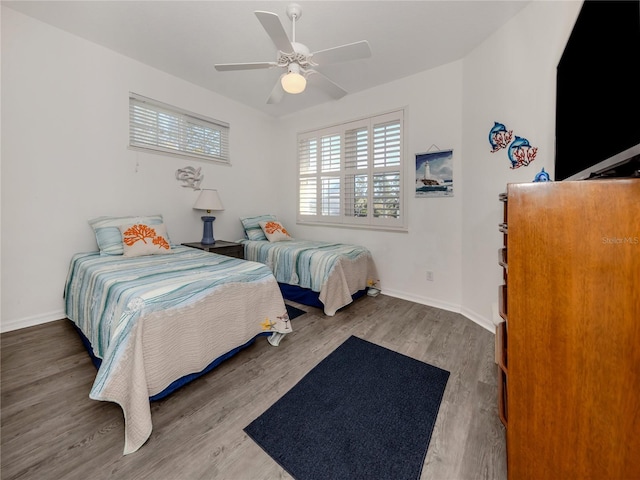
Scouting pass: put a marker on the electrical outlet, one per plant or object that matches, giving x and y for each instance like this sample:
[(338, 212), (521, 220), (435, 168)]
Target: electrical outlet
[(429, 276)]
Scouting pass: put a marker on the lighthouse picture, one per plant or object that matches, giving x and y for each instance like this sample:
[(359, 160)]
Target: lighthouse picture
[(434, 174)]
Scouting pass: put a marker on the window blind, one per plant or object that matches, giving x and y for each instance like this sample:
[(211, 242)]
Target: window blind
[(162, 128), (351, 174)]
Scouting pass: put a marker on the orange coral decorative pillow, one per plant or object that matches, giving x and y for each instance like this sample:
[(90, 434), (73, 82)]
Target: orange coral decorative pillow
[(274, 231), (108, 235), (142, 239)]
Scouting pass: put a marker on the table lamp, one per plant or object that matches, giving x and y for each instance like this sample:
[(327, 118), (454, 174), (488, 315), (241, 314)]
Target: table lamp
[(208, 200)]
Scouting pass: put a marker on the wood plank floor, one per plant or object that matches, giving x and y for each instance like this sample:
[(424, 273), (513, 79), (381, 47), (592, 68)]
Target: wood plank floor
[(51, 429)]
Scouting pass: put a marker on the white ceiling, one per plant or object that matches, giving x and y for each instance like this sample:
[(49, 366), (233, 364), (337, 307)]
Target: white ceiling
[(186, 38)]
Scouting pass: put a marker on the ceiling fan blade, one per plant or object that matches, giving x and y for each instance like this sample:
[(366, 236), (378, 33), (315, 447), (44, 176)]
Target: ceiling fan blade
[(225, 67), (343, 53), (277, 93), (319, 80), (275, 30)]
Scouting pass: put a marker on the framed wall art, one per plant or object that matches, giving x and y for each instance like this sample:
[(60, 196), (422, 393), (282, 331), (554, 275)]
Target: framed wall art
[(434, 173)]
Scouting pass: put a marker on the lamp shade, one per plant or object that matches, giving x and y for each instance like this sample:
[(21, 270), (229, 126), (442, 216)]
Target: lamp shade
[(293, 81), (208, 200)]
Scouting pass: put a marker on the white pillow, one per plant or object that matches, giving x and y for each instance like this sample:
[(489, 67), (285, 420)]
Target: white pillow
[(274, 231), (252, 228), (143, 239), (107, 231)]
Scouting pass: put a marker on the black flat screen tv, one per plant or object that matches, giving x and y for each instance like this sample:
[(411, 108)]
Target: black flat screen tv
[(598, 94)]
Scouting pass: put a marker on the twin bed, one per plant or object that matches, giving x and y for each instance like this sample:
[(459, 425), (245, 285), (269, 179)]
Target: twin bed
[(154, 316), (320, 274)]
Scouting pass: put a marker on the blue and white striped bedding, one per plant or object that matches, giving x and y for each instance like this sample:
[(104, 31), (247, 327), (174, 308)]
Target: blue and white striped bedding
[(156, 318), (335, 270)]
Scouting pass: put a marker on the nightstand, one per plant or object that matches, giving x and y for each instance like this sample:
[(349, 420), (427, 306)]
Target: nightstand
[(221, 247)]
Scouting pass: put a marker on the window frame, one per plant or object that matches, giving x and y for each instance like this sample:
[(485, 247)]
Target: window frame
[(309, 157), (184, 134)]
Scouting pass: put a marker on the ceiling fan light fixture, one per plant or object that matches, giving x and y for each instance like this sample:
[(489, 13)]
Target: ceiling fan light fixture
[(293, 82), (297, 59)]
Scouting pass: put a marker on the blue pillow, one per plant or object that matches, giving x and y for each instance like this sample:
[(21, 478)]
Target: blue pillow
[(108, 235), (252, 228)]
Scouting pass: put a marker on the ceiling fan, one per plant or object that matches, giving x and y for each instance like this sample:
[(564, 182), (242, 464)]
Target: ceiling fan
[(297, 58)]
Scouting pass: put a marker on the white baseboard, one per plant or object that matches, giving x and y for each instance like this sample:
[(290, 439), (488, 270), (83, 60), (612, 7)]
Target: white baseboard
[(432, 302), (31, 321), (485, 323)]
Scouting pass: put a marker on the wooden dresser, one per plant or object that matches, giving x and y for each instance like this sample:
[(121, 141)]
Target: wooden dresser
[(569, 351)]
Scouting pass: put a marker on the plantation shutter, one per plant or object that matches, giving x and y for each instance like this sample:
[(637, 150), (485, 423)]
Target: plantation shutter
[(387, 154), (351, 174), (161, 128), (356, 178), (308, 182)]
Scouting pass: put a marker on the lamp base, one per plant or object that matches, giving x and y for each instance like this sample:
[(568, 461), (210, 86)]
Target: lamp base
[(207, 235)]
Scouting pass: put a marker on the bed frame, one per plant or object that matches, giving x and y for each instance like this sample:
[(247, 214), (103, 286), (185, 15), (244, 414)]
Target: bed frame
[(181, 381), (308, 297)]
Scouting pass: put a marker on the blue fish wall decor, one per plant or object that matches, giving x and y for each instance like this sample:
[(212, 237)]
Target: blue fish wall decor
[(521, 153), (542, 176), (499, 137)]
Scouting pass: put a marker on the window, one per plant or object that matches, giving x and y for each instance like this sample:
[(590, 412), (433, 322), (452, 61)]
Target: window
[(351, 174), (162, 128)]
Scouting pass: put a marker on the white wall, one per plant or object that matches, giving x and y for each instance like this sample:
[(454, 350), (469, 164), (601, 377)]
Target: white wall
[(433, 242), (65, 160), (510, 79)]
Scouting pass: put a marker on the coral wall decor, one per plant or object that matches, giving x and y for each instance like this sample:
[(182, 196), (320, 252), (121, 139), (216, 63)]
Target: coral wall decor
[(190, 177), (519, 151), (499, 137)]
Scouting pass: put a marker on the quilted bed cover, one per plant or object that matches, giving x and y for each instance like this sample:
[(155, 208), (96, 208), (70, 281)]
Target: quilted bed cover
[(335, 270), (154, 319)]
